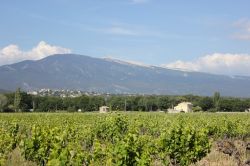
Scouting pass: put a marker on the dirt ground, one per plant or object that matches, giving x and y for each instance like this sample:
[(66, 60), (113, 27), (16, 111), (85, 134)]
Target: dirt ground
[(218, 158)]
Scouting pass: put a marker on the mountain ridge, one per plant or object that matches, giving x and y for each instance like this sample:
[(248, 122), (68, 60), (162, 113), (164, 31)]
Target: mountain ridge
[(79, 72)]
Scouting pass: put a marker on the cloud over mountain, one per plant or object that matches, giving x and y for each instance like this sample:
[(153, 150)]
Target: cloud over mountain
[(12, 53), (217, 63)]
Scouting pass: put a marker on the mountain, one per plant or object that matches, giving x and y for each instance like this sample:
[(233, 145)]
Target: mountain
[(78, 72), (3, 91)]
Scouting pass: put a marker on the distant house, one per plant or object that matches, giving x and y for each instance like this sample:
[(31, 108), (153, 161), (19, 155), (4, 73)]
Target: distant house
[(182, 107), (103, 109), (79, 110)]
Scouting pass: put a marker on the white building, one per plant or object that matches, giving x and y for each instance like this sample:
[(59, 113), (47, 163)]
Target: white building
[(103, 109), (182, 107)]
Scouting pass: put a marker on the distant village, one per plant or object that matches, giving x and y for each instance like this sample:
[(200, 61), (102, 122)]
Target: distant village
[(70, 93), (62, 93)]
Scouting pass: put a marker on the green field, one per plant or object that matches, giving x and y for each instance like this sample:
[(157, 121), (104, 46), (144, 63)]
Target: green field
[(130, 138)]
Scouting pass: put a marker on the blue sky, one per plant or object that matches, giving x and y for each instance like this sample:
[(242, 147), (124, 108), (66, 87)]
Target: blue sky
[(173, 34)]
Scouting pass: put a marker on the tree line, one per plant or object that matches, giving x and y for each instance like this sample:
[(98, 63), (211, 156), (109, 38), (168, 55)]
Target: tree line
[(22, 102)]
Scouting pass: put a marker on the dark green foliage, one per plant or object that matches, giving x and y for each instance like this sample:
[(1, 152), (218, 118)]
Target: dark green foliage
[(233, 105), (26, 102), (3, 102), (121, 103), (18, 101), (205, 103)]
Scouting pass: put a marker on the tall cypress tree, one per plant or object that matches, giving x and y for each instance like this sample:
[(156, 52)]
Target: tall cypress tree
[(216, 100), (17, 100)]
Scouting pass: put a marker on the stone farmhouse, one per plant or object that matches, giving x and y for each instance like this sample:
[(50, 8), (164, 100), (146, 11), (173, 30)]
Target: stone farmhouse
[(182, 107), (103, 109)]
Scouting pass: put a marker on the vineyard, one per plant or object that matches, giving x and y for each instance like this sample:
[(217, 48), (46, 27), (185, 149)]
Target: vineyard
[(117, 138)]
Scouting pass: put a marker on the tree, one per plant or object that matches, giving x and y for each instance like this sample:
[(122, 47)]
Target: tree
[(226, 105), (205, 103), (142, 104), (197, 109), (233, 105), (3, 102), (163, 103), (117, 103), (17, 100), (152, 103), (26, 101), (216, 100)]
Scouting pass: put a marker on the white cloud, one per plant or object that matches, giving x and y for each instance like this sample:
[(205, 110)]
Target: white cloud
[(217, 63), (243, 26), (116, 30), (12, 53), (121, 29)]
